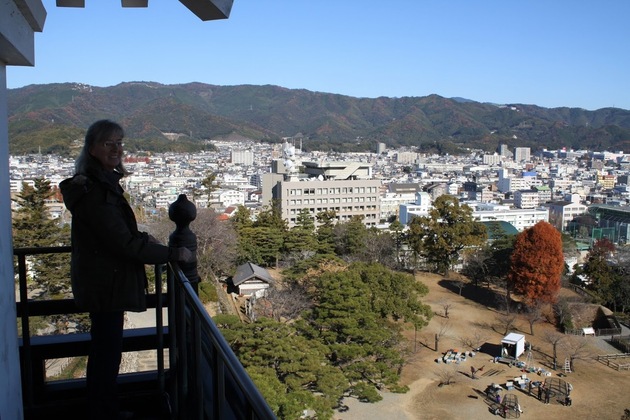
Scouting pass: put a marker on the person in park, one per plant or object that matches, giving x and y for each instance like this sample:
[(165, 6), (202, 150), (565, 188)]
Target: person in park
[(547, 394), (107, 259), (473, 371)]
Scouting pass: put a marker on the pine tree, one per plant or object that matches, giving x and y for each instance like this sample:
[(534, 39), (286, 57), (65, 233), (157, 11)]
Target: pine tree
[(259, 242), (325, 232), (301, 238), (33, 227), (291, 371), (350, 237), (359, 315), (600, 273), (242, 218)]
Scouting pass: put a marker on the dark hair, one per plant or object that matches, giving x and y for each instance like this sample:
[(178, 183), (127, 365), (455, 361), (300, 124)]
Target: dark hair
[(99, 132)]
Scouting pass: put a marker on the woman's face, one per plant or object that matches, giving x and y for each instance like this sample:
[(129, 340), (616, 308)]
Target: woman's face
[(109, 153)]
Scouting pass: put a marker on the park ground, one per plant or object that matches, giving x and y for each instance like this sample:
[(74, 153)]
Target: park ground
[(599, 392)]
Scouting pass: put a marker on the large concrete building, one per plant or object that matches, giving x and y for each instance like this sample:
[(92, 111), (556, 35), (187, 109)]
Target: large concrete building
[(519, 218), (347, 188), (563, 212)]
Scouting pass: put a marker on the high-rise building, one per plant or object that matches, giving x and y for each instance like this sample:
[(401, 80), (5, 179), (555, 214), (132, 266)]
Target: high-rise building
[(521, 154), (504, 151)]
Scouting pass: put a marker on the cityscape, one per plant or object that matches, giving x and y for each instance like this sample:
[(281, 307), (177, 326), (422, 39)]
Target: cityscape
[(511, 185)]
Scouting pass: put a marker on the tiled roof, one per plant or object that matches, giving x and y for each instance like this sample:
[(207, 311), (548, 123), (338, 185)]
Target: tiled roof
[(249, 271)]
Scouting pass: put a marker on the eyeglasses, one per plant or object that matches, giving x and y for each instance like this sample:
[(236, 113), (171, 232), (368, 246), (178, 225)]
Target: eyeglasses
[(113, 144)]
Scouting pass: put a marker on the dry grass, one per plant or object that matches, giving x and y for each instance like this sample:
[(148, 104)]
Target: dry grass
[(598, 391)]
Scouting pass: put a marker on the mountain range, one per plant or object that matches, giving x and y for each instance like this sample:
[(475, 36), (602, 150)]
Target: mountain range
[(52, 118)]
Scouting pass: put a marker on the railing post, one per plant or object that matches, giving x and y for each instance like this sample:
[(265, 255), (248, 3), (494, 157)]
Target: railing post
[(159, 326), (182, 212), (27, 374), (173, 344)]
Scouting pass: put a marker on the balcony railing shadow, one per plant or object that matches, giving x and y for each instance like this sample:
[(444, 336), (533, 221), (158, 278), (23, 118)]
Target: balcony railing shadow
[(197, 376)]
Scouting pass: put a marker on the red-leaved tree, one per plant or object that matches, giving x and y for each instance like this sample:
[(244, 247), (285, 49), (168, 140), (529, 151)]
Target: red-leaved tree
[(537, 263)]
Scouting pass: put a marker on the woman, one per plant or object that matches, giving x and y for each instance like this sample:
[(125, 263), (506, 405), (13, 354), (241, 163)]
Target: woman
[(108, 257)]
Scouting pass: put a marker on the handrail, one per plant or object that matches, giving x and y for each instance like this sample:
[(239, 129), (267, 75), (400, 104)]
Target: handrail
[(209, 347), (207, 379)]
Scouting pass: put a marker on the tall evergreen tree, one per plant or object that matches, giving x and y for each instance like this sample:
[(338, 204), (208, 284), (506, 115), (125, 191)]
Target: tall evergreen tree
[(301, 238), (325, 232), (242, 218), (350, 238), (491, 262), (33, 227), (600, 271), (441, 236)]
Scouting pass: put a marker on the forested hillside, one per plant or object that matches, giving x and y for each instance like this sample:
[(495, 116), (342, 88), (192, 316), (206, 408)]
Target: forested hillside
[(182, 117)]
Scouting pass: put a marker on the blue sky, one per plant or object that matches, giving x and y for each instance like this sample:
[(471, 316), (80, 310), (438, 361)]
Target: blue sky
[(550, 53)]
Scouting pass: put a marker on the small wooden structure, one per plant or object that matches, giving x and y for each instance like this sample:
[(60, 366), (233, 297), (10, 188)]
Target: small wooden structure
[(249, 279)]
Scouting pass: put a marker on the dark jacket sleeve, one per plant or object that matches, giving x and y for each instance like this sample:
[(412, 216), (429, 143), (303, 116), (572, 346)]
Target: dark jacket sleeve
[(110, 219)]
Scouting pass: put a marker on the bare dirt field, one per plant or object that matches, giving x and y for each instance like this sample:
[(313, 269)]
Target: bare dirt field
[(599, 392)]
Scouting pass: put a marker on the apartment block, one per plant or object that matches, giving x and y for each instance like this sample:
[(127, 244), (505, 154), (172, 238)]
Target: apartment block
[(526, 199), (521, 154)]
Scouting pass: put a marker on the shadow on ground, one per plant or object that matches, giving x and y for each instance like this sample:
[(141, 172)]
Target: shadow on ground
[(479, 294), (490, 349)]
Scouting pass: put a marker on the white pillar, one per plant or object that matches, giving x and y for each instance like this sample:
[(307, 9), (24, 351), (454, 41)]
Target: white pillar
[(19, 19)]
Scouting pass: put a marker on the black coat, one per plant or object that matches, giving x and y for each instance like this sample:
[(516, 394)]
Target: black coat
[(108, 251)]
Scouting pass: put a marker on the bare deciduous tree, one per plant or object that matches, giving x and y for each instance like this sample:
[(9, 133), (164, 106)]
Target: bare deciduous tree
[(576, 348), (446, 375), (533, 314), (446, 307), (563, 313), (443, 330), (283, 302), (475, 340), (554, 338), (460, 285), (505, 321), (217, 240)]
